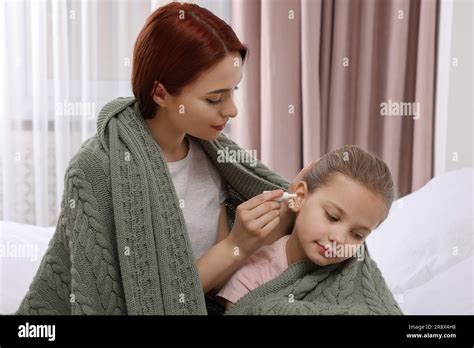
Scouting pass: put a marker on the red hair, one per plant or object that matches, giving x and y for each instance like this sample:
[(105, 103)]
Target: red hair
[(178, 42)]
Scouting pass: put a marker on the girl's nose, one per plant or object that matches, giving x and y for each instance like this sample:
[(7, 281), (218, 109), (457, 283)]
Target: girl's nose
[(336, 236)]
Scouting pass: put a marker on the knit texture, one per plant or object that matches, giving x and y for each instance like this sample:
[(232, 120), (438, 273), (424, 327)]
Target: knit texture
[(353, 287), (120, 244)]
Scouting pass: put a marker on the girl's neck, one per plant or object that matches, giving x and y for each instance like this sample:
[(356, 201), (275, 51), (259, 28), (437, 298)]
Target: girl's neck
[(294, 251)]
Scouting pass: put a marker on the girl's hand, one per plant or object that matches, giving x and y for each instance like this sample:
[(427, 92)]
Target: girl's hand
[(254, 220)]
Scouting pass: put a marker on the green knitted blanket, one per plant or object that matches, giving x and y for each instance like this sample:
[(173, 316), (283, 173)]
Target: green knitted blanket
[(121, 245), (353, 287)]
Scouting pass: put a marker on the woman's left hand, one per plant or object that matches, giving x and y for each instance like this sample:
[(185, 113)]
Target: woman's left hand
[(288, 216)]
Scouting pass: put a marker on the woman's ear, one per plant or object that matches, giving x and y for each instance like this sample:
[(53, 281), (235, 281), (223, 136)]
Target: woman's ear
[(301, 190), (159, 94)]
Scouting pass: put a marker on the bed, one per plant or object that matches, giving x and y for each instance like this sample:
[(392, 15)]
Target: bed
[(424, 249)]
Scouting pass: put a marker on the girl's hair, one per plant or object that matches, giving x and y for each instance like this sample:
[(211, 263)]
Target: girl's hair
[(364, 167), (178, 42)]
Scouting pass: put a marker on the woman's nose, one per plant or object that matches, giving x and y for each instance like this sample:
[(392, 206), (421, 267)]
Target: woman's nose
[(229, 110)]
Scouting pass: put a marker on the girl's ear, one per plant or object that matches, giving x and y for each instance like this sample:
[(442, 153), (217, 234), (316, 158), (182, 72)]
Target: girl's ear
[(301, 189)]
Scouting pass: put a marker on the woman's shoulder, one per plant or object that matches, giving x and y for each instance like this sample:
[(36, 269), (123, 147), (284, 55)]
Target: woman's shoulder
[(92, 159)]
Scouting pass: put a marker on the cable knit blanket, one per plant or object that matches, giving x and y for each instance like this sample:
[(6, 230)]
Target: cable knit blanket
[(350, 288), (121, 245)]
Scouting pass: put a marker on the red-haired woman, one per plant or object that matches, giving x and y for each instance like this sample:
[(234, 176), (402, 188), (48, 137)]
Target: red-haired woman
[(153, 221)]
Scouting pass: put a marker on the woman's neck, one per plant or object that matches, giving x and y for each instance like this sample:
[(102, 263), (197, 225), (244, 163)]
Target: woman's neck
[(171, 141)]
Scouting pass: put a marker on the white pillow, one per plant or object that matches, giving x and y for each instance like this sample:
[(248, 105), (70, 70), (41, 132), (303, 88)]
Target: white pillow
[(428, 232), (449, 293), (21, 249)]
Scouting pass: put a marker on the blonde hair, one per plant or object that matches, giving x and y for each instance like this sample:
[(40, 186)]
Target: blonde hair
[(355, 163)]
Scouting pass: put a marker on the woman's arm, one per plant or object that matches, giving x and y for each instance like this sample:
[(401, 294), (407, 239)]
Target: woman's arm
[(223, 227), (218, 264), (257, 223), (228, 305), (255, 219)]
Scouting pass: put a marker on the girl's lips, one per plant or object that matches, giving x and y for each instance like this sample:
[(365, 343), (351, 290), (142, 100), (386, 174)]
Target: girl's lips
[(321, 248)]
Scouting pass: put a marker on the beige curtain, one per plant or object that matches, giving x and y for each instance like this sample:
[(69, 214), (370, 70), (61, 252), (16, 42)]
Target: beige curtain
[(323, 73)]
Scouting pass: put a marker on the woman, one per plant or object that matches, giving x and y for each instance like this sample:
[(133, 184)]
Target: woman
[(143, 227)]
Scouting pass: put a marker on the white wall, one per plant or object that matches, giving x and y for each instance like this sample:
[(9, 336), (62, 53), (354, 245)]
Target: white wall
[(454, 96)]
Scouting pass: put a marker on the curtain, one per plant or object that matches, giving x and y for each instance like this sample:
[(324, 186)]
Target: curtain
[(323, 73), (60, 62), (316, 76)]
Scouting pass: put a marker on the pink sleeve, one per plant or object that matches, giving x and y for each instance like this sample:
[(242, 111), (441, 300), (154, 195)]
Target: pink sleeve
[(242, 282)]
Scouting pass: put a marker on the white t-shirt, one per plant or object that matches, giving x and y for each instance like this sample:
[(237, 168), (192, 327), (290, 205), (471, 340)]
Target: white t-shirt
[(201, 190)]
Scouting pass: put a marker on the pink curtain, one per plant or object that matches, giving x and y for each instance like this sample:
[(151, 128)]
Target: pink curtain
[(319, 72)]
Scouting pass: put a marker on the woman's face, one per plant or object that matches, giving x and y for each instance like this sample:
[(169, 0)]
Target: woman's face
[(339, 215), (206, 103)]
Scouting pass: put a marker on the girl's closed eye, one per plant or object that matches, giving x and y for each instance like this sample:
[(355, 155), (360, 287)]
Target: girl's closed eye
[(331, 218), (358, 236)]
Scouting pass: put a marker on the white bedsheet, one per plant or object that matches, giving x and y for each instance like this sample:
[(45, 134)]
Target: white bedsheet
[(21, 250)]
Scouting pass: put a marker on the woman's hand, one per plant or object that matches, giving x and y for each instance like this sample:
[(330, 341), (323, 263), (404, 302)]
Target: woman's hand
[(258, 221), (254, 220), (287, 216)]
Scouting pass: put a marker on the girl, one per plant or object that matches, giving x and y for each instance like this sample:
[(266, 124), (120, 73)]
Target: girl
[(346, 195)]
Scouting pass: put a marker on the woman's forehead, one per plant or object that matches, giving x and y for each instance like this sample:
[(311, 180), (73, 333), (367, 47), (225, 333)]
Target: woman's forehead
[(226, 74)]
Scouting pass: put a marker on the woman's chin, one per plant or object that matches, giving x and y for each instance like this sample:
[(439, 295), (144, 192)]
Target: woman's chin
[(214, 137), (208, 136)]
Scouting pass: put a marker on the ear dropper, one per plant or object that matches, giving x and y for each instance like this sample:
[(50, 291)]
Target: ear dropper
[(285, 196)]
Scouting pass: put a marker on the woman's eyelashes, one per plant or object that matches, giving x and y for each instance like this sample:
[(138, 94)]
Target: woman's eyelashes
[(215, 102)]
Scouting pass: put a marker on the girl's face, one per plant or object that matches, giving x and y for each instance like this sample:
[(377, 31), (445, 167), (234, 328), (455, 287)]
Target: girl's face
[(205, 104), (339, 215)]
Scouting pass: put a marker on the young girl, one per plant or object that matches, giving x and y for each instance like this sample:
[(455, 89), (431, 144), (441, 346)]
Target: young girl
[(346, 195)]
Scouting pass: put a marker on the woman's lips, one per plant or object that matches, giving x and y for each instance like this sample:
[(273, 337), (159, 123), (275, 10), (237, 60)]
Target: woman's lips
[(219, 127)]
